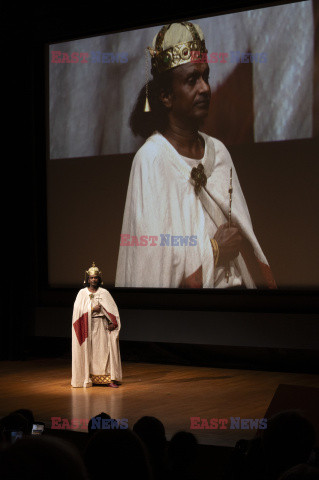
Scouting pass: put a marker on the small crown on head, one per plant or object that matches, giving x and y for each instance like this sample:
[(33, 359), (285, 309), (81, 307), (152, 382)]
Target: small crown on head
[(175, 55), (92, 271)]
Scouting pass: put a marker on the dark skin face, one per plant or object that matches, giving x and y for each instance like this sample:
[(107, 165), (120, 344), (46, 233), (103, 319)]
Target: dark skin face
[(187, 104), (93, 282), (190, 96)]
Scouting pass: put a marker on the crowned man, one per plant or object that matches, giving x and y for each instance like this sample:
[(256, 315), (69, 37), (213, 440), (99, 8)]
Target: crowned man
[(95, 335), (183, 183)]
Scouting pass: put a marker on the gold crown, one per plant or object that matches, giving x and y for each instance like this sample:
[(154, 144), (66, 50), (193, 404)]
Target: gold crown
[(92, 271), (175, 55)]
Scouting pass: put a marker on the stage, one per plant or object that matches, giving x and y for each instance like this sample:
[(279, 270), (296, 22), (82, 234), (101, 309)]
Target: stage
[(172, 393)]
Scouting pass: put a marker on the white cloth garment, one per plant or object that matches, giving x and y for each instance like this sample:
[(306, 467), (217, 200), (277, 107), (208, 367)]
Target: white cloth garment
[(161, 200), (95, 350)]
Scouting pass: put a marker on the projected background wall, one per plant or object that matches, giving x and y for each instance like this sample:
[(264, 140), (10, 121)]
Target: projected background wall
[(262, 111)]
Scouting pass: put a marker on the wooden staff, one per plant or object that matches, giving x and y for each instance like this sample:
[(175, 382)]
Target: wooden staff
[(230, 191)]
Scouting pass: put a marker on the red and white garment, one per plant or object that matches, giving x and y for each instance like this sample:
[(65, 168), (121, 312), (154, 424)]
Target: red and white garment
[(95, 349)]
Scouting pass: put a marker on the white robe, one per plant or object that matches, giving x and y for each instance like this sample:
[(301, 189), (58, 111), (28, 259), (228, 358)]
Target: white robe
[(161, 200), (95, 350)]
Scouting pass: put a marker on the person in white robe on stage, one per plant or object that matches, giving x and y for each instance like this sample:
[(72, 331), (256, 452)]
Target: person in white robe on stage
[(186, 221), (95, 335)]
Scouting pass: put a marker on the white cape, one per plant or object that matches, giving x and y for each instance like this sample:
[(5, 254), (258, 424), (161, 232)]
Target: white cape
[(161, 200), (82, 339)]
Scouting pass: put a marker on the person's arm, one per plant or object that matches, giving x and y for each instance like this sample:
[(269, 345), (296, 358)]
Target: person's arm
[(107, 306)]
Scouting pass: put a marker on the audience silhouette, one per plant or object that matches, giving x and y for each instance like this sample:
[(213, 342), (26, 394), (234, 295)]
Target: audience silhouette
[(284, 451), (152, 433)]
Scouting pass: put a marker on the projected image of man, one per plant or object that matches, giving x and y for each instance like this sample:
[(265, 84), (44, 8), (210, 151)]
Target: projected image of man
[(180, 183)]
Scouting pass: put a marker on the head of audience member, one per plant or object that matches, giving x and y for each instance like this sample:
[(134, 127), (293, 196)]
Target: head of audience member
[(42, 457), (287, 441), (97, 423), (152, 432), (28, 414), (14, 422), (182, 450), (301, 472), (114, 450)]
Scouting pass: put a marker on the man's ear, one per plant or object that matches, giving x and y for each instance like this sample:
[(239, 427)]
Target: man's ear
[(166, 98)]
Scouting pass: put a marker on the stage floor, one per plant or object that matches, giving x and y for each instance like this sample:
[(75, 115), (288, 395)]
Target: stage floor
[(172, 393)]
